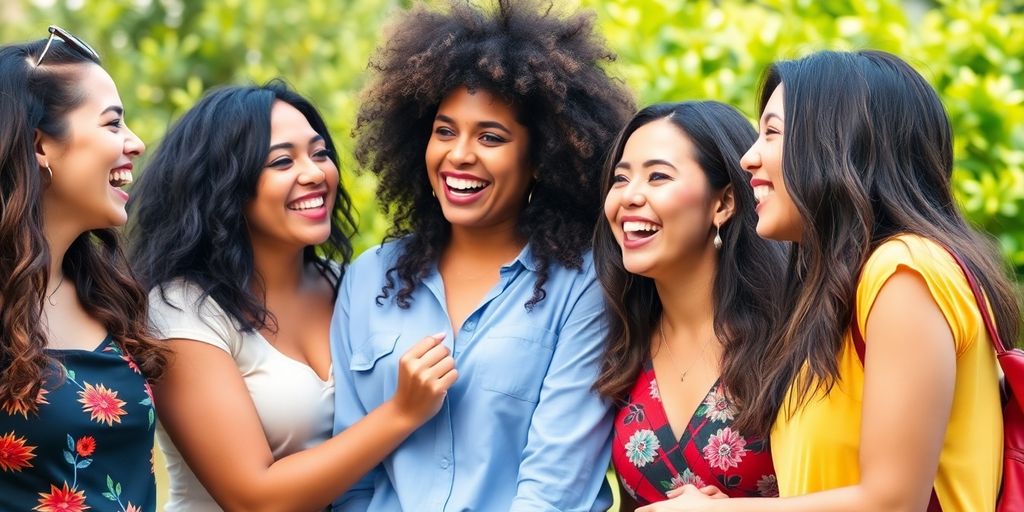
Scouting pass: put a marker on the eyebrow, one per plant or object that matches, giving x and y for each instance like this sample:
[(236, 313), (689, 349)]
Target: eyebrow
[(113, 108), (770, 115), (481, 124), (288, 145), (649, 163)]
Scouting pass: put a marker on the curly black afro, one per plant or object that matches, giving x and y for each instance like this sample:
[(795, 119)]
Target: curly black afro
[(548, 67)]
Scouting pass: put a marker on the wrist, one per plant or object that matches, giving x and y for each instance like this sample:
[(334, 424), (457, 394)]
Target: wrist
[(400, 419)]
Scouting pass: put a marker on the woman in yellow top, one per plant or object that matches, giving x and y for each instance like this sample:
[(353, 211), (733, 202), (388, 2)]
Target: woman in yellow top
[(853, 164)]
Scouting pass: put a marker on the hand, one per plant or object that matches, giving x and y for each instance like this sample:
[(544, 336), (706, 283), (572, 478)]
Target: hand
[(687, 498), (425, 372)]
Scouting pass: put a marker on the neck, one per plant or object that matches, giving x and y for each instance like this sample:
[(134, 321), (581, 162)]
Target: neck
[(280, 268), (500, 243), (687, 299), (59, 237)]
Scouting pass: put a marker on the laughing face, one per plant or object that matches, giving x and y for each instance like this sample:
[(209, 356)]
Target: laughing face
[(660, 207), (477, 160), (777, 216), (296, 190), (93, 161)]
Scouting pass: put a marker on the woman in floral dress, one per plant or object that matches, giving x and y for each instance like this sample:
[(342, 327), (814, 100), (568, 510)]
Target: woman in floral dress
[(76, 413), (690, 286)]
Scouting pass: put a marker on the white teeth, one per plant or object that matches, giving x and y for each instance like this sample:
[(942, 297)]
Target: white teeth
[(463, 184), (307, 204), (761, 192), (120, 178), (632, 226)]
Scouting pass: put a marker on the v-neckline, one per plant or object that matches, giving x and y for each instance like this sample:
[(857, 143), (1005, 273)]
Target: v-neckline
[(693, 414)]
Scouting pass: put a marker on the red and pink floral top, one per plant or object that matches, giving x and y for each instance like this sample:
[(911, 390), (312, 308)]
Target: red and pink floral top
[(650, 461)]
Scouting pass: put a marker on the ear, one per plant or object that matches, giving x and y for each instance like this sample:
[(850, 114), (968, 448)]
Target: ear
[(725, 206), (39, 144)]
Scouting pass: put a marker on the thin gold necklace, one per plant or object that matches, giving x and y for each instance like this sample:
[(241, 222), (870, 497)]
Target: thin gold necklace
[(672, 356)]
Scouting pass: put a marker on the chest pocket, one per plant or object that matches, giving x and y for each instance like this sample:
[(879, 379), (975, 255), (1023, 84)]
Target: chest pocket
[(517, 361), (378, 345)]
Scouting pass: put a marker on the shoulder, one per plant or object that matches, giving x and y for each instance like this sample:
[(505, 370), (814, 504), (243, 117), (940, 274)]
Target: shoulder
[(180, 309), (378, 258), (921, 255)]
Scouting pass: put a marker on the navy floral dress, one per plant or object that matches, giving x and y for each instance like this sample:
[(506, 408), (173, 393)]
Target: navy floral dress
[(650, 461), (88, 443)]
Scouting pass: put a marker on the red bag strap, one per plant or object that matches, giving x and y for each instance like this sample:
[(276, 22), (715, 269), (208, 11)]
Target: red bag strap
[(986, 316)]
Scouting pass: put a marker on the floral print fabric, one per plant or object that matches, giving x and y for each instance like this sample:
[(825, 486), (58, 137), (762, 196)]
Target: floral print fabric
[(86, 443), (650, 461)]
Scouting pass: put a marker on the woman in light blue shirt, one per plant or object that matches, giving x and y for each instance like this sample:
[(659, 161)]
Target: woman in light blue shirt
[(486, 131)]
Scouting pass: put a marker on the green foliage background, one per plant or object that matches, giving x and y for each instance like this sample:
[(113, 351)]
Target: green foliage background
[(165, 53)]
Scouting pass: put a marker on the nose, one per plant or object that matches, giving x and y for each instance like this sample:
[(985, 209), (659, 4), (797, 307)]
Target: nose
[(751, 160), (311, 174), (462, 152), (133, 145), (633, 195)]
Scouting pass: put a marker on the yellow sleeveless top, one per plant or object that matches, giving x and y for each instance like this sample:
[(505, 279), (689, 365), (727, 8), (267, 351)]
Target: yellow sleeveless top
[(815, 447)]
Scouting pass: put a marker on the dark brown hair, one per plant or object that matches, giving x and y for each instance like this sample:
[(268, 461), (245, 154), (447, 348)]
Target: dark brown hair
[(547, 67), (868, 154), (749, 269), (39, 98)]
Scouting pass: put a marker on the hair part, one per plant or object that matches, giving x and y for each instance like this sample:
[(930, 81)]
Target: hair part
[(748, 271), (39, 98), (868, 154), (188, 208), (548, 67)]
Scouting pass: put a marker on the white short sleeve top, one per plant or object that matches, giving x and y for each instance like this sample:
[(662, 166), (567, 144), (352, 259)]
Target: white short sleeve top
[(295, 407)]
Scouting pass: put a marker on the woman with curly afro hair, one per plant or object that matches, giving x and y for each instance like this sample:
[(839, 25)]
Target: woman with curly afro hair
[(486, 129)]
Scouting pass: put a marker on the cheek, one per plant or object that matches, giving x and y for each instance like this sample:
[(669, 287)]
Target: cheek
[(611, 209)]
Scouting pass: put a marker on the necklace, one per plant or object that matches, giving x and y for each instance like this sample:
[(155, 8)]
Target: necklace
[(672, 356), (49, 298)]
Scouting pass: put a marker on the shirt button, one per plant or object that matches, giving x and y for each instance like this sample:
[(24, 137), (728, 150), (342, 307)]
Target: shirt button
[(469, 325), (444, 463)]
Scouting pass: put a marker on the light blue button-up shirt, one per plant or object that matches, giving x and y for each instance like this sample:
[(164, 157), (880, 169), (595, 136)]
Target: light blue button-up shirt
[(520, 430)]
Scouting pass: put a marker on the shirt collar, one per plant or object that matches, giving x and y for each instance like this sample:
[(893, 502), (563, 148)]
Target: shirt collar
[(525, 258)]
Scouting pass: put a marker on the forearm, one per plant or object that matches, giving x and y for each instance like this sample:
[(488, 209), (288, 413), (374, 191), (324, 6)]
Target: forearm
[(311, 479), (856, 498)]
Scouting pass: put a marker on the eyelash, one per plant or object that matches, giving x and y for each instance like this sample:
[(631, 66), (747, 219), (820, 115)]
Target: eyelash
[(491, 138), (116, 123), (285, 161)]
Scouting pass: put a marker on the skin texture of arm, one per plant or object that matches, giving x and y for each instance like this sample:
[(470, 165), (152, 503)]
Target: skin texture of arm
[(905, 411), (205, 407)]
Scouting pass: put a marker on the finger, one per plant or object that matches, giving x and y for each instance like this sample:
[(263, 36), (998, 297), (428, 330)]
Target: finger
[(441, 368), (434, 356), (447, 380), (424, 345), (711, 490), (672, 493)]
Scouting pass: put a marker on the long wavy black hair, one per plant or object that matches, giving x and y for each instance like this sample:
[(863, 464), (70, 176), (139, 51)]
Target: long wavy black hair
[(547, 67), (867, 154), (39, 98), (188, 208), (749, 269)]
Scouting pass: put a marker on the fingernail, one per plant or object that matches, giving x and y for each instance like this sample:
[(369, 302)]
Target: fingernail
[(439, 335)]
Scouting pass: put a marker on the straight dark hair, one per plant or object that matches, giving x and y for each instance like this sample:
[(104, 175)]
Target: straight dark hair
[(868, 154), (188, 206), (39, 98), (749, 270)]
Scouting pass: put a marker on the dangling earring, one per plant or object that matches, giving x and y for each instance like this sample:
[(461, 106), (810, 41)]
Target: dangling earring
[(718, 238), (49, 172)]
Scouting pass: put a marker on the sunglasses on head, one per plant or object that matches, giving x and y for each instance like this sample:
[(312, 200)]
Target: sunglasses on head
[(71, 40)]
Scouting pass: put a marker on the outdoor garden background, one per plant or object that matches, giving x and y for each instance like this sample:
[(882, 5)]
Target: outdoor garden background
[(164, 54)]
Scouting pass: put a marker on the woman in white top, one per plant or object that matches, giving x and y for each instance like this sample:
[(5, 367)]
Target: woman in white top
[(239, 219)]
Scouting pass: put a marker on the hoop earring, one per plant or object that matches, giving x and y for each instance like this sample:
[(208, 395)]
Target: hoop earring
[(718, 238), (49, 172), (529, 197)]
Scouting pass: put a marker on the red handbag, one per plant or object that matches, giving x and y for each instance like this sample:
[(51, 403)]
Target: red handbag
[(1011, 497)]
